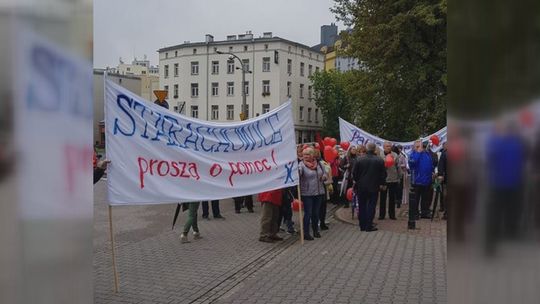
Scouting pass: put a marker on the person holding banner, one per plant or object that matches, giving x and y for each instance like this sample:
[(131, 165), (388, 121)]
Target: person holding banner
[(191, 222), (270, 204), (369, 176), (346, 166), (312, 178), (390, 188)]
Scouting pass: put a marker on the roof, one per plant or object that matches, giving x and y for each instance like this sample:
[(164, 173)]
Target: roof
[(101, 71), (237, 41)]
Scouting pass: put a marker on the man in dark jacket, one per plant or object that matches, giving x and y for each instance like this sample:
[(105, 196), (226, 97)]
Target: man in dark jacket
[(422, 166), (369, 176)]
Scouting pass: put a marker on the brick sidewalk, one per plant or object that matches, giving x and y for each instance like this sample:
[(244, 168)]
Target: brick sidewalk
[(229, 265)]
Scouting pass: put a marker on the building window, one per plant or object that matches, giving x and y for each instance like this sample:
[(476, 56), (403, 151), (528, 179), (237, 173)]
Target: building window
[(215, 49), (266, 47), (194, 68), (230, 49), (302, 52), (309, 90), (301, 114), (143, 72), (194, 90), (230, 67), (289, 49), (247, 110), (215, 67), (246, 87), (289, 88), (195, 111), (215, 112), (230, 88), (302, 65), (175, 91), (266, 64), (175, 53), (246, 64), (176, 70), (266, 87), (317, 57), (215, 89), (166, 71), (166, 88), (309, 114), (316, 69), (301, 91), (310, 55), (194, 51), (230, 112), (310, 70), (289, 66), (128, 69), (245, 48), (265, 108), (166, 55), (316, 115)]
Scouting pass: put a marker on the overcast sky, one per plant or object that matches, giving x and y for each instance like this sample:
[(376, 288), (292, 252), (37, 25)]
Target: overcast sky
[(127, 28)]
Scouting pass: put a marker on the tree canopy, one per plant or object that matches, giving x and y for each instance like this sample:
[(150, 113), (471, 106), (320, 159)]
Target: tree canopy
[(400, 91)]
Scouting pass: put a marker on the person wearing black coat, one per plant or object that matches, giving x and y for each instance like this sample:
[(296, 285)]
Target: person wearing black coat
[(369, 175)]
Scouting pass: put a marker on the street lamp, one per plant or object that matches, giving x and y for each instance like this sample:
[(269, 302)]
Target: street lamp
[(244, 114)]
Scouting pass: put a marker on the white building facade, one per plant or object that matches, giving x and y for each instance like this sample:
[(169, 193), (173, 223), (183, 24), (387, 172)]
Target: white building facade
[(206, 85)]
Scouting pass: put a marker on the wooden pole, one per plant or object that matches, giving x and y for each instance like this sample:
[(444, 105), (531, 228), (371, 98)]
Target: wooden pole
[(300, 215), (115, 272)]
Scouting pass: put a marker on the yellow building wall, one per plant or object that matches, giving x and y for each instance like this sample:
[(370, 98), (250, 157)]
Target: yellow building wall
[(330, 61)]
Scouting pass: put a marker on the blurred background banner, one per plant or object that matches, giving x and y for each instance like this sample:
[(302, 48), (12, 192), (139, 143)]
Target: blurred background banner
[(45, 152), (494, 151)]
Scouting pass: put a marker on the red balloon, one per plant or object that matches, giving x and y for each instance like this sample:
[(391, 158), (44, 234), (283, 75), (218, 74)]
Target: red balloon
[(349, 194), (345, 145), (335, 153), (296, 205), (327, 141), (388, 161), (435, 139), (333, 142), (328, 154)]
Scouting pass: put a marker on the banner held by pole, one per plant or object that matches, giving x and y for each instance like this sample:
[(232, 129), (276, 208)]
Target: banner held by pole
[(115, 272), (300, 215)]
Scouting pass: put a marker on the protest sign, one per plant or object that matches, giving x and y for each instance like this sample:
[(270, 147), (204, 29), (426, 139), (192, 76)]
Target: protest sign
[(159, 156), (356, 136)]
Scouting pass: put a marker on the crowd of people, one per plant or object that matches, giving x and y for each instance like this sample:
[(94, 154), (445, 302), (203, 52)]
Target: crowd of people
[(388, 176)]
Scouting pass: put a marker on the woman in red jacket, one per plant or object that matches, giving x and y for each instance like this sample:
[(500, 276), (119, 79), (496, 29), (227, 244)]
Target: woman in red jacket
[(271, 202)]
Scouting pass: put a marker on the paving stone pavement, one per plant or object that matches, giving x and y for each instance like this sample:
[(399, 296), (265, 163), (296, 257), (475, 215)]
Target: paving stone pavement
[(229, 265)]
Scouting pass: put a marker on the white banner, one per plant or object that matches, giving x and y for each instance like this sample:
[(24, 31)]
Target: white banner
[(159, 156), (356, 136)]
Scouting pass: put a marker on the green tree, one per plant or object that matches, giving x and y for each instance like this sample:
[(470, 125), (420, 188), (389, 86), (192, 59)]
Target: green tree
[(400, 93), (331, 97)]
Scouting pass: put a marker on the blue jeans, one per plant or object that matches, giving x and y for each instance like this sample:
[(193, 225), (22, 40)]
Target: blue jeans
[(312, 205), (366, 208), (215, 208)]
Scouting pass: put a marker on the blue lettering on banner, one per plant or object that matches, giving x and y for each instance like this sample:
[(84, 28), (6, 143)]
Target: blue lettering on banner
[(289, 168), (59, 84), (156, 126), (117, 128)]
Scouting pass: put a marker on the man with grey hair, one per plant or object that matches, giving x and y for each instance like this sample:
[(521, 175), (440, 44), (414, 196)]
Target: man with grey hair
[(369, 176)]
